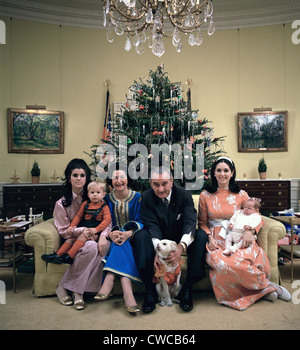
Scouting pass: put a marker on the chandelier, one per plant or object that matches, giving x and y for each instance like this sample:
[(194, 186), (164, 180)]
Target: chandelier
[(151, 20)]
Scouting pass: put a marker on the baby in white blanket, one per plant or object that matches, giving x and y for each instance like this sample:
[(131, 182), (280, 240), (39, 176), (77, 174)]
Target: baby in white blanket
[(242, 220)]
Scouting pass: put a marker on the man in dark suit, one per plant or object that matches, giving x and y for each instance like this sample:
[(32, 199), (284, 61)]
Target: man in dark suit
[(167, 212)]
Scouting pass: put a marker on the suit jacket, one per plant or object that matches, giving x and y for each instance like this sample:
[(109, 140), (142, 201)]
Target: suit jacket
[(179, 219)]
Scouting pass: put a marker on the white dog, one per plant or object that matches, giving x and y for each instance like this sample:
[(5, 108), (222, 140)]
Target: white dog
[(167, 277)]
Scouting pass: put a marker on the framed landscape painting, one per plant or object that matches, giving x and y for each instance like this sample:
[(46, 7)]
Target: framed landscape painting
[(263, 131), (35, 131)]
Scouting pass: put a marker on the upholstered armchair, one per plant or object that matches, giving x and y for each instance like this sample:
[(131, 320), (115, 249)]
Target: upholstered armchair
[(45, 239)]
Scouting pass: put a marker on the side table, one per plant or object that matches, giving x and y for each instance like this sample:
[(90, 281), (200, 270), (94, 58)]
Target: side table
[(10, 261), (290, 220)]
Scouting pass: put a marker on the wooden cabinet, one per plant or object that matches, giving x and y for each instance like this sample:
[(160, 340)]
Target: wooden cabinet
[(275, 195), (18, 198)]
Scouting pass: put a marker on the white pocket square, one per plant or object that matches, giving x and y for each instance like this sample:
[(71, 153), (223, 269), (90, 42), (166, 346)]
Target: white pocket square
[(178, 217)]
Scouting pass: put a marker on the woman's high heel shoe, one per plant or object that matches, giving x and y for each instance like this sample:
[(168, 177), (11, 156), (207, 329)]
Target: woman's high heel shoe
[(132, 309), (101, 297)]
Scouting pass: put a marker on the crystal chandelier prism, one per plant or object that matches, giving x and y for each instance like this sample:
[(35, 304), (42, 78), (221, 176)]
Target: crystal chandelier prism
[(154, 20)]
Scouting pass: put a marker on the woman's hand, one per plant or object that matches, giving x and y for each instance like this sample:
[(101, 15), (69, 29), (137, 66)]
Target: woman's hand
[(212, 243), (70, 230), (90, 233), (119, 237), (115, 236), (248, 238), (103, 245)]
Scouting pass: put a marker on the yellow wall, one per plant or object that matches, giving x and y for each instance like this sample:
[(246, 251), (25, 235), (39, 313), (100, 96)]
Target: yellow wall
[(65, 69)]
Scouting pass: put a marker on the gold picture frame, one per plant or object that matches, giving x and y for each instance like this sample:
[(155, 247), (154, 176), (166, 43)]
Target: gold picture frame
[(263, 131), (35, 131)]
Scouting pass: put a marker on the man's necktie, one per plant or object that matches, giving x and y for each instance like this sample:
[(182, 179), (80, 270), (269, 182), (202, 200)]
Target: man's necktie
[(166, 203)]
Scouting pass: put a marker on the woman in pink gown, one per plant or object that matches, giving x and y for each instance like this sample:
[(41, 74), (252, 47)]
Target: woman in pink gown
[(85, 274), (244, 277)]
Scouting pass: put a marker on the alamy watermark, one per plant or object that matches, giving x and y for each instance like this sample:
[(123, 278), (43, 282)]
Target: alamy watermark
[(2, 33), (2, 292), (296, 33), (184, 164), (296, 294)]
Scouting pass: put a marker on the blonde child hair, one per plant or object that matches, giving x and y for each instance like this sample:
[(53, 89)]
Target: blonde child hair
[(101, 184)]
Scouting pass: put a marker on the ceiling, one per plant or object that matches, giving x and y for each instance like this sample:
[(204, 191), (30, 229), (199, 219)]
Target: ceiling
[(228, 14)]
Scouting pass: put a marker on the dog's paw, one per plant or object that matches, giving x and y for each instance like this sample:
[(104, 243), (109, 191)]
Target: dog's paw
[(162, 303), (170, 303)]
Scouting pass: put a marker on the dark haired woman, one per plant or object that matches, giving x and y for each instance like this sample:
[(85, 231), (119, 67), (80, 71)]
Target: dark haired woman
[(244, 277), (85, 274), (124, 205)]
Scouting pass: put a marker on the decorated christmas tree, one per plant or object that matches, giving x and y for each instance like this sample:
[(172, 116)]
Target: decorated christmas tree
[(156, 126)]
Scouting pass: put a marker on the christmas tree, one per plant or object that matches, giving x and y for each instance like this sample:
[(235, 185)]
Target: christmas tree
[(157, 126)]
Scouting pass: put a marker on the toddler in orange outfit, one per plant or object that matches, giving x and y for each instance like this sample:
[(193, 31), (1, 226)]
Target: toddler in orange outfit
[(93, 214)]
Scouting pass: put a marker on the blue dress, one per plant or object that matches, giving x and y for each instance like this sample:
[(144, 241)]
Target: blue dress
[(125, 215)]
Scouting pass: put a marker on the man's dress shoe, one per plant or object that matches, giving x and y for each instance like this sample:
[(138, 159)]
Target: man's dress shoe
[(149, 302), (186, 301)]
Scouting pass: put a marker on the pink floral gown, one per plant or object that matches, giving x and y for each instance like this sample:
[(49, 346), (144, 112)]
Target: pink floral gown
[(242, 278)]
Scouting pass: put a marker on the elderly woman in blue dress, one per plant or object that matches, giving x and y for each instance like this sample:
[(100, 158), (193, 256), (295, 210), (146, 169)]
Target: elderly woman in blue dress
[(124, 205)]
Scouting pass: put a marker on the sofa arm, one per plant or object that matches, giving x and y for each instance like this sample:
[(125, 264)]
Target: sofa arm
[(43, 237), (270, 233), (267, 238)]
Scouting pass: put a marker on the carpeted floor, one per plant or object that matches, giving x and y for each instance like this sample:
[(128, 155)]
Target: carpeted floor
[(23, 311)]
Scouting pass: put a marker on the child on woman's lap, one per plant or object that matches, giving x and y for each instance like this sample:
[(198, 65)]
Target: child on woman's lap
[(246, 219)]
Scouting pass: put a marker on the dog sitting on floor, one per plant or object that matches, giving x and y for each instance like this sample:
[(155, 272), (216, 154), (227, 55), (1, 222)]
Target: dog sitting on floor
[(167, 277)]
